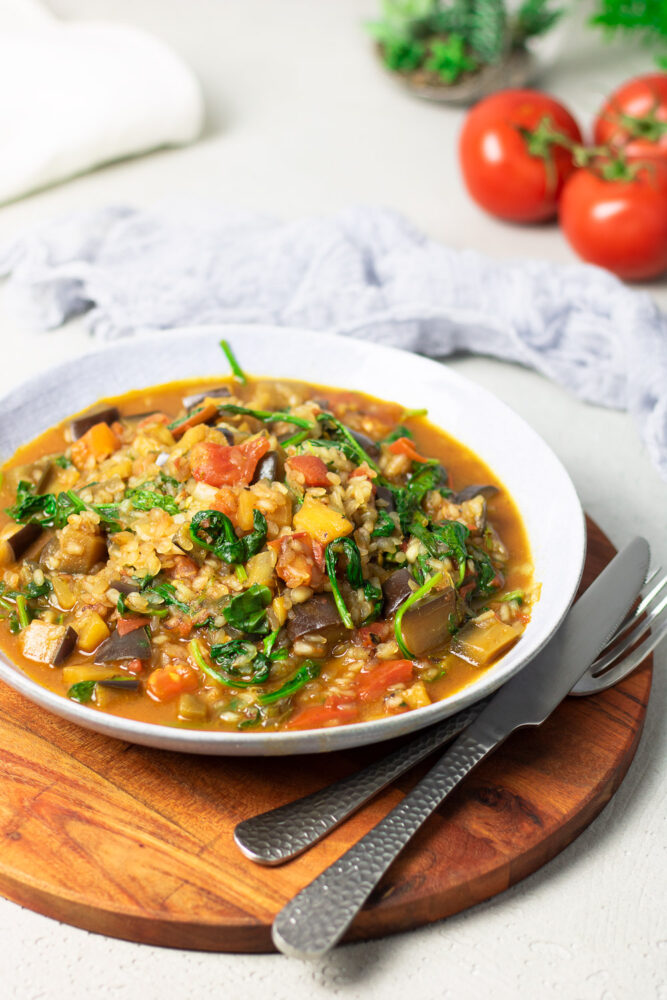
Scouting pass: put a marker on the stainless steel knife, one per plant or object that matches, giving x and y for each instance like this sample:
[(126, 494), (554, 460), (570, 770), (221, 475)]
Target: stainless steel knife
[(316, 919)]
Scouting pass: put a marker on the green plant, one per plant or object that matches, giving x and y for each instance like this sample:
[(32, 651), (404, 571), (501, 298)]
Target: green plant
[(645, 19), (455, 37)]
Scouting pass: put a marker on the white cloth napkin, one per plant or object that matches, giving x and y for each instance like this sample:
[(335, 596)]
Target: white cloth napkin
[(74, 95), (364, 272)]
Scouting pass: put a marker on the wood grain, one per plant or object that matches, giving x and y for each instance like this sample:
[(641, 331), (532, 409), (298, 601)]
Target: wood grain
[(137, 843)]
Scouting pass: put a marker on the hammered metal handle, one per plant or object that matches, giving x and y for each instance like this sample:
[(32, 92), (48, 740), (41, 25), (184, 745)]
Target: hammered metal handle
[(280, 834), (316, 919)]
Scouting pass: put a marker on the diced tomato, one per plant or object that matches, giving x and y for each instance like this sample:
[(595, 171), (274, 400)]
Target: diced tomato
[(153, 418), (183, 567), (374, 683), (364, 470), (312, 468), (371, 635), (166, 683), (404, 446), (180, 624), (300, 559), (316, 716), (134, 666), (130, 623), (227, 464)]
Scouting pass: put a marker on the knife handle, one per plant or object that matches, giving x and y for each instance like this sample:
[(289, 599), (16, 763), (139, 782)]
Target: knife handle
[(316, 919), (273, 837)]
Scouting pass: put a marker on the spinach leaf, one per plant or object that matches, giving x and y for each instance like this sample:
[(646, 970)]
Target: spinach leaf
[(349, 548), (246, 612), (163, 593), (62, 461), (215, 532), (384, 526), (399, 431), (308, 671), (81, 692), (446, 539), (488, 579), (53, 511), (242, 664), (337, 429), (143, 499)]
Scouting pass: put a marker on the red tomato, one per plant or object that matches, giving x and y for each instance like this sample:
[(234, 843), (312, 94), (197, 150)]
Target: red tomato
[(634, 118), (227, 464), (312, 468), (131, 623), (374, 684), (316, 716), (619, 224), (300, 559), (500, 154)]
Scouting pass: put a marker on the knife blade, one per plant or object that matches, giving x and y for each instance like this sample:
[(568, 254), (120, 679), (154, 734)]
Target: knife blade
[(315, 920)]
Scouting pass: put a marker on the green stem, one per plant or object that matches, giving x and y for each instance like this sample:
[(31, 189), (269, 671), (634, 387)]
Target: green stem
[(233, 363), (417, 596)]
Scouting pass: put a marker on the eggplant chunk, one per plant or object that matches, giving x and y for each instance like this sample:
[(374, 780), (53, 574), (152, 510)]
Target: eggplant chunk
[(197, 398), (79, 554), (66, 647), (271, 467), (125, 586), (482, 642), (13, 547), (104, 415), (385, 494), (474, 491), (425, 627), (36, 473), (370, 446), (42, 641), (121, 683), (134, 645), (319, 616), (396, 589)]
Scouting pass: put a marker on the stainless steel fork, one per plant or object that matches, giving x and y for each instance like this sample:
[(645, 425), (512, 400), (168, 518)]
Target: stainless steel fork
[(281, 834)]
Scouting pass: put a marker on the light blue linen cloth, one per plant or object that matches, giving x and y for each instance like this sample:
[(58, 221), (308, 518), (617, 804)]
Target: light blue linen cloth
[(364, 272)]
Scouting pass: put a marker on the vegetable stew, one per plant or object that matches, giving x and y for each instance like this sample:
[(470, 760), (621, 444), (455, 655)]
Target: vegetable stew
[(256, 555)]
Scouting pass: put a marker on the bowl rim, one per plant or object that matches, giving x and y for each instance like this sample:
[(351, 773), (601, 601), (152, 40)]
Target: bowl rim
[(280, 743)]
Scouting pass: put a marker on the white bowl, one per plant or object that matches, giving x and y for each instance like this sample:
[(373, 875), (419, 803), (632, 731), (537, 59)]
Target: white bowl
[(532, 474)]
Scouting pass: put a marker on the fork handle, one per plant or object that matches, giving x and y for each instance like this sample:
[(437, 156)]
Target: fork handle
[(273, 837), (316, 919)]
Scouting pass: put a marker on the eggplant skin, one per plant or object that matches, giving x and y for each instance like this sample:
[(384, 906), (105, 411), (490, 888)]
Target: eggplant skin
[(271, 467), (318, 615), (66, 647), (396, 589), (134, 645), (22, 539), (370, 446), (425, 628), (189, 402), (469, 492), (80, 425), (385, 494)]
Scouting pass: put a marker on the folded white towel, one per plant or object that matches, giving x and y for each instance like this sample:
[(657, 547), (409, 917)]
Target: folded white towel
[(365, 273), (74, 95)]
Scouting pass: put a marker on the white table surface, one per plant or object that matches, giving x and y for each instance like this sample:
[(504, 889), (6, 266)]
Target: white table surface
[(300, 119)]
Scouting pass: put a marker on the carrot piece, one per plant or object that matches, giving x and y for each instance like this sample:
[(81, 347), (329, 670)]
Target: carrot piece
[(99, 442), (404, 446), (198, 417), (374, 683), (166, 683)]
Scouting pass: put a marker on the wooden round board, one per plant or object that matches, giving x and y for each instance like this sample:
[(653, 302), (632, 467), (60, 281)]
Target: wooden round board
[(137, 843)]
